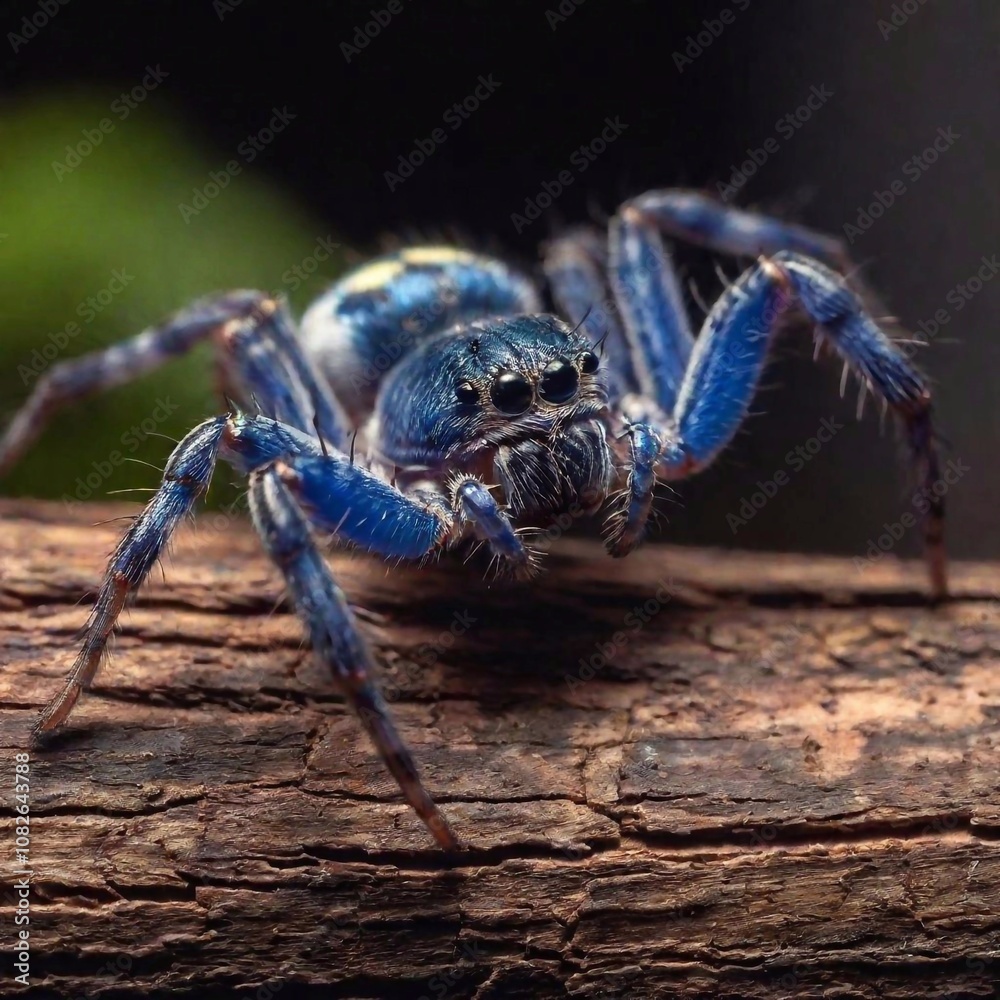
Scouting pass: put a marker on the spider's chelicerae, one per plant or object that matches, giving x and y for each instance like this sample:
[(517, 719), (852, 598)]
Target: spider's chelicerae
[(477, 415)]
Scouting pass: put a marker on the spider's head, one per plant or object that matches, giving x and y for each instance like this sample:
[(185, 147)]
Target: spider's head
[(520, 398)]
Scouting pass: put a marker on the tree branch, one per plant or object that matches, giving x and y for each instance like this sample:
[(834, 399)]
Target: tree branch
[(687, 773)]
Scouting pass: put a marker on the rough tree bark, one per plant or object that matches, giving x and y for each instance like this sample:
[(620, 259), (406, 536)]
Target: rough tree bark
[(786, 782)]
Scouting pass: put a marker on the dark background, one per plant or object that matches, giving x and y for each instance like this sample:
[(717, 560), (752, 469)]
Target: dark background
[(609, 58)]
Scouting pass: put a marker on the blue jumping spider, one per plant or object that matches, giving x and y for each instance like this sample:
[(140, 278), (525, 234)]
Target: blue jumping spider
[(427, 400)]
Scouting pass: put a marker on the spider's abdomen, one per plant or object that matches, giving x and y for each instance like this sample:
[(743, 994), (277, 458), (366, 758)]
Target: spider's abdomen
[(373, 316)]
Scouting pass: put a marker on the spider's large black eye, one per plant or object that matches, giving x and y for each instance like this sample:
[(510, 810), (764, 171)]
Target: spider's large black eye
[(589, 363), (511, 393), (466, 392), (559, 381)]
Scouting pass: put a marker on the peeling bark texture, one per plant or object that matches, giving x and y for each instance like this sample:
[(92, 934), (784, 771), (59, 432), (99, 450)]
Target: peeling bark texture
[(784, 782)]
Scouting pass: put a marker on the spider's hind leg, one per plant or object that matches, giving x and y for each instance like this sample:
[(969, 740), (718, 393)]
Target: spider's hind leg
[(699, 219), (259, 355)]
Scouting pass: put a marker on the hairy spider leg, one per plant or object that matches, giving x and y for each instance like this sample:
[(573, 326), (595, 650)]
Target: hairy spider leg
[(730, 356), (263, 362), (644, 280), (334, 636), (697, 218), (350, 502), (257, 314), (185, 478), (356, 505), (576, 267)]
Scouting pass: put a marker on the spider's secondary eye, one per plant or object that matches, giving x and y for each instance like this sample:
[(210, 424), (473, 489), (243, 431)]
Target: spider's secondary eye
[(559, 381), (511, 393), (589, 363), (466, 392)]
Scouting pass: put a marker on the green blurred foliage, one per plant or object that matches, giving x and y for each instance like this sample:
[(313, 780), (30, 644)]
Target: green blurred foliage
[(64, 234)]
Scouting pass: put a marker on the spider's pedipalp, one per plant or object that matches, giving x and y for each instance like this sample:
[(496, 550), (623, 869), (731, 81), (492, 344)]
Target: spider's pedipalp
[(478, 508), (627, 526)]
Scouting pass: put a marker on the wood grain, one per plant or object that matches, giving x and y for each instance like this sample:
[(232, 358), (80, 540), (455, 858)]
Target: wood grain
[(785, 781)]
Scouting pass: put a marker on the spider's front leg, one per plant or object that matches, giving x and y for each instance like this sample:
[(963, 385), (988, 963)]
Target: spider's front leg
[(340, 497), (334, 635), (726, 366)]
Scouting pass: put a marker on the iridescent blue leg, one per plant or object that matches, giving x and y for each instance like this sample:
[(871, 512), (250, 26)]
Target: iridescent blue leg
[(334, 635), (185, 478), (348, 501), (649, 298), (576, 266), (244, 315), (363, 509), (651, 304), (731, 352), (697, 218), (263, 361)]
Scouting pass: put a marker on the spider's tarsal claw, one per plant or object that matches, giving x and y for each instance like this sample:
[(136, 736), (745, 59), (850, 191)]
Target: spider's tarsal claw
[(442, 832), (479, 510)]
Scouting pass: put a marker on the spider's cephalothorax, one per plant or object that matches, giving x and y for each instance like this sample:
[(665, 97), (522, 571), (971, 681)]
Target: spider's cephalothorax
[(518, 401), (428, 399)]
